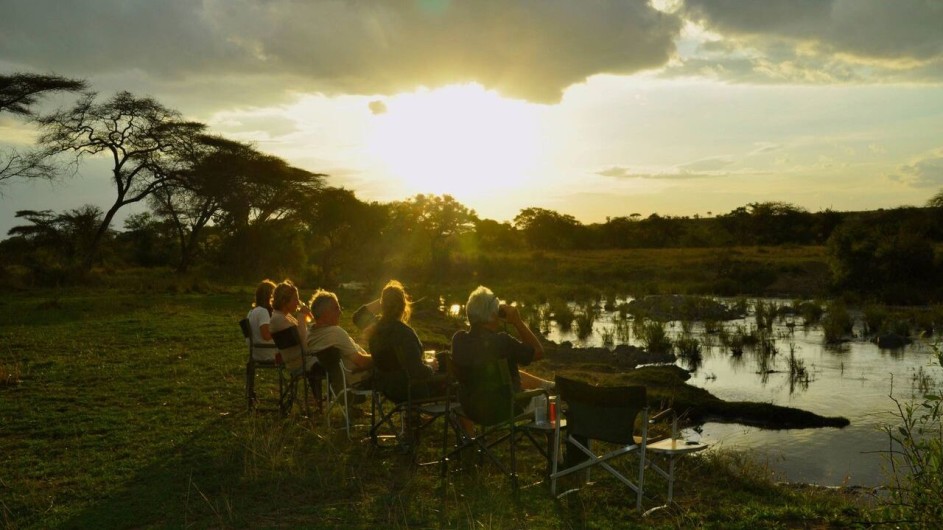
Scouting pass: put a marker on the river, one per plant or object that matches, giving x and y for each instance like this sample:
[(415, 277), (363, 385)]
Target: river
[(855, 380)]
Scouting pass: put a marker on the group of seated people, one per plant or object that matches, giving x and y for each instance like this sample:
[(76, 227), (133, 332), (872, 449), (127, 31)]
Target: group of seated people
[(396, 353)]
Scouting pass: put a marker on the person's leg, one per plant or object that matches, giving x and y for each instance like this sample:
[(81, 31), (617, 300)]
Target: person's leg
[(315, 375)]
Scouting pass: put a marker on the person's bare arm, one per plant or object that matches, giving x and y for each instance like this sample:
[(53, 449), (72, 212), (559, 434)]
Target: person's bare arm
[(265, 332), (362, 361), (513, 316)]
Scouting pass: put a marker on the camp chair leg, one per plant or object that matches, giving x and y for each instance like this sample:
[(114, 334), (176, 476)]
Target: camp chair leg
[(250, 383)]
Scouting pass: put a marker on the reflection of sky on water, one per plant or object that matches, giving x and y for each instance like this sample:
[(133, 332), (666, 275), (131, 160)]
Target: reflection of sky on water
[(853, 381)]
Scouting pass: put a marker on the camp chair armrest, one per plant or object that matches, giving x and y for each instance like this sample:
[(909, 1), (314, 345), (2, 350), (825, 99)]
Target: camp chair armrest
[(527, 394)]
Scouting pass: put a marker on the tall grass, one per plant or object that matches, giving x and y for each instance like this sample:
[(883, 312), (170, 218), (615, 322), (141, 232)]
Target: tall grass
[(653, 336), (562, 314), (765, 314), (585, 320), (915, 461)]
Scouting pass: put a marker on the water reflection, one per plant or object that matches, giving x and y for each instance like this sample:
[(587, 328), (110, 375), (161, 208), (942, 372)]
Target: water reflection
[(780, 357)]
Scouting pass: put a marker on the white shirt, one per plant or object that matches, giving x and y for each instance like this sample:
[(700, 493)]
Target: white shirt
[(257, 317), (328, 336)]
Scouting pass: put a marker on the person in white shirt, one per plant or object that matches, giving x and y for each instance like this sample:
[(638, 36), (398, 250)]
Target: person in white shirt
[(327, 332), (260, 338)]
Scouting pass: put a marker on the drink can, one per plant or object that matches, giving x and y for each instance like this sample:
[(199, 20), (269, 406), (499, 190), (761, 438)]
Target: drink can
[(552, 409)]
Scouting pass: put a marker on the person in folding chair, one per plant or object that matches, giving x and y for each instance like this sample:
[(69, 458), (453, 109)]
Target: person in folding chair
[(484, 341), (260, 339), (288, 311), (401, 375), (327, 333), (493, 392)]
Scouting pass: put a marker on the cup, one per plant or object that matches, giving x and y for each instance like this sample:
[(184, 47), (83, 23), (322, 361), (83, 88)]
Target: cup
[(540, 410), (428, 357)]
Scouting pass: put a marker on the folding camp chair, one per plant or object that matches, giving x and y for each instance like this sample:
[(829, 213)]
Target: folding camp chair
[(257, 360), (289, 343), (489, 401), (413, 406), (339, 392), (607, 414)]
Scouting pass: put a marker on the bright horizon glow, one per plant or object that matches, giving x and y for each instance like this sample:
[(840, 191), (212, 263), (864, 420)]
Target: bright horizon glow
[(460, 140)]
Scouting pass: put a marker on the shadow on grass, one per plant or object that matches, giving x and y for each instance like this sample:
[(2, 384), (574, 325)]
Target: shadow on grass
[(182, 483)]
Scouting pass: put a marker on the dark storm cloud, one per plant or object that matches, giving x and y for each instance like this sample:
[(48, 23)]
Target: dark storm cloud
[(530, 49), (820, 40)]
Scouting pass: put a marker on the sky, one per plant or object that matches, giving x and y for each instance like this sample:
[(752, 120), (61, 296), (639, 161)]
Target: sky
[(591, 108)]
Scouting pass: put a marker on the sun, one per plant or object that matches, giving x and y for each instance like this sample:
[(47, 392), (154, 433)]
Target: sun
[(460, 140)]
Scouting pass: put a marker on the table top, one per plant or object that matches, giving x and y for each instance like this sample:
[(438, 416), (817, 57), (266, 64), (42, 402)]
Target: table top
[(545, 425), (670, 446)]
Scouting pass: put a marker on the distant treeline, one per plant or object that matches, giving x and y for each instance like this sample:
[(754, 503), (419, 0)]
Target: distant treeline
[(332, 236), (229, 210)]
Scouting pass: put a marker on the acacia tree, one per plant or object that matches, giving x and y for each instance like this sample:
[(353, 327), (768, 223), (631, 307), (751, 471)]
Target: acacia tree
[(346, 229), (207, 170), (19, 92), (547, 229), (138, 133), (437, 219), (57, 239)]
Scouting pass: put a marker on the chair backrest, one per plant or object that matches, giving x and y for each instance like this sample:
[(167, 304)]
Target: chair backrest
[(485, 391), (601, 413), (246, 330), (329, 357), (290, 347)]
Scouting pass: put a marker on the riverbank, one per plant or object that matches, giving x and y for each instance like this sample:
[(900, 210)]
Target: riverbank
[(125, 409)]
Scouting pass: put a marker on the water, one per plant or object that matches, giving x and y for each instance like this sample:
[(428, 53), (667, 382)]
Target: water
[(854, 381)]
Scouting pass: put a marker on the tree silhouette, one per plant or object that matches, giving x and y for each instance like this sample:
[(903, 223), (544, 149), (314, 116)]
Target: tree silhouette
[(207, 170), (138, 133), (547, 229), (436, 219), (18, 93)]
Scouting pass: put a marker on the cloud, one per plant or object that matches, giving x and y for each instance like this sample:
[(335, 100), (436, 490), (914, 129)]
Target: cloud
[(524, 48), (377, 107), (925, 172), (816, 41), (617, 172), (706, 164)]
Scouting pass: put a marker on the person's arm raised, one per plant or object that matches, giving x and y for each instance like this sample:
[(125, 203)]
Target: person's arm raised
[(513, 317)]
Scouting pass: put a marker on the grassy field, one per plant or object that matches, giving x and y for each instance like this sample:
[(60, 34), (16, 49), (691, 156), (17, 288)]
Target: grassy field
[(124, 408)]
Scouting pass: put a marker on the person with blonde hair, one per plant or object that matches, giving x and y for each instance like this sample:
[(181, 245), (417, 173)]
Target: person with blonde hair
[(287, 311), (397, 350)]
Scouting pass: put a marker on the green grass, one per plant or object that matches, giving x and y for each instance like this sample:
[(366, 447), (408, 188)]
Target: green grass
[(127, 410)]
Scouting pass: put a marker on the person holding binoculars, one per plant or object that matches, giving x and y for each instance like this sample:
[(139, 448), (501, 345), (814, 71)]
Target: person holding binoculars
[(484, 340)]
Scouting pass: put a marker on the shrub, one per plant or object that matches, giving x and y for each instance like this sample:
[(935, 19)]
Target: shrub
[(837, 323)]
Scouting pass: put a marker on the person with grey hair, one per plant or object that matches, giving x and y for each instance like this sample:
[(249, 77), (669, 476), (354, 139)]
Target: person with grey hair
[(484, 341), (327, 332)]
